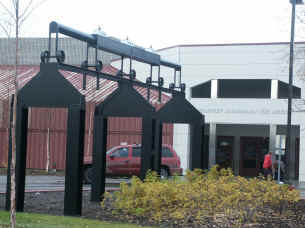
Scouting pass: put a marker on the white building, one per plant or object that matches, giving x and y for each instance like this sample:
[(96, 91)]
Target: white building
[(243, 117)]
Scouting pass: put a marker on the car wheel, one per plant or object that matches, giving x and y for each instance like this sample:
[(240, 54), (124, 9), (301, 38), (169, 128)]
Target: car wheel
[(164, 174), (88, 175)]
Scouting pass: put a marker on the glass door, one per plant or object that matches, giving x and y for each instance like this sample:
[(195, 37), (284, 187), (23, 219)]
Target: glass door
[(224, 151), (252, 151)]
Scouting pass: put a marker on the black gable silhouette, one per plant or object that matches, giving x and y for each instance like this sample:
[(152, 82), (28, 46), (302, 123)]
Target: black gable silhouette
[(125, 101), (179, 110), (50, 89)]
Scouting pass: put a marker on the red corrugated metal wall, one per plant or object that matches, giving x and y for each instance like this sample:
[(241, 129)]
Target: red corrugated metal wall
[(41, 119), (4, 133)]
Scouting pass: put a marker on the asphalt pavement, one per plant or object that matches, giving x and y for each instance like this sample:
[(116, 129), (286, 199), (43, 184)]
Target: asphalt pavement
[(55, 183)]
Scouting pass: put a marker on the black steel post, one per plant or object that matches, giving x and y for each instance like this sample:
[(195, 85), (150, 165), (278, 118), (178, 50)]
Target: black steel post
[(99, 157), (122, 65), (9, 159), (49, 43), (175, 77), (74, 161), (205, 153), (130, 65), (21, 146), (159, 92), (85, 75), (157, 146), (196, 147), (146, 152), (98, 73), (290, 93), (148, 87), (56, 44)]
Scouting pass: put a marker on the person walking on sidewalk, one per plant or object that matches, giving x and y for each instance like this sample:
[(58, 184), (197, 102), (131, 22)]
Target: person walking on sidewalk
[(268, 165)]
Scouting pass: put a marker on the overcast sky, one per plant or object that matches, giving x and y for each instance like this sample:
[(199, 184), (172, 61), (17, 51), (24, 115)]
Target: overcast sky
[(163, 23)]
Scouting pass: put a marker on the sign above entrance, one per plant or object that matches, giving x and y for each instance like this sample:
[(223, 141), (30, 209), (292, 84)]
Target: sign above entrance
[(262, 111)]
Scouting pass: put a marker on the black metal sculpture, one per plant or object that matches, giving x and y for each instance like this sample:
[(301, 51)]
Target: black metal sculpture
[(50, 89)]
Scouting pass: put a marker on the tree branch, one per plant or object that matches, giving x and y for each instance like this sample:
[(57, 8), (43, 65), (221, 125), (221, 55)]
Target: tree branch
[(26, 13), (26, 9), (7, 31), (8, 11), (14, 4)]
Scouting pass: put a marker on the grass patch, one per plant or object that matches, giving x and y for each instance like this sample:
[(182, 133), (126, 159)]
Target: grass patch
[(29, 220)]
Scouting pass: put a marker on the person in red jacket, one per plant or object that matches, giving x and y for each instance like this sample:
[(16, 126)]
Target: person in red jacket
[(268, 165)]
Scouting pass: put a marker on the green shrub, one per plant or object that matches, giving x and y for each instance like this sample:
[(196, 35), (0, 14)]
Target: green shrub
[(202, 195)]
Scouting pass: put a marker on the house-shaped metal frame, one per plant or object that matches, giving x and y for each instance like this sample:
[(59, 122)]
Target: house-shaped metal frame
[(179, 110), (50, 89), (125, 101)]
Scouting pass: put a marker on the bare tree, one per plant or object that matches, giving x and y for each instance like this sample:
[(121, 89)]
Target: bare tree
[(15, 13)]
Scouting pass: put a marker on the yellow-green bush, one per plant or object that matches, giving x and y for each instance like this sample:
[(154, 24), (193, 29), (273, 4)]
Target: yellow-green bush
[(202, 195)]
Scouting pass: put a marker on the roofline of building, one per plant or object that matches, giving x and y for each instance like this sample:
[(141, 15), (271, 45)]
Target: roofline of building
[(218, 45), (228, 44)]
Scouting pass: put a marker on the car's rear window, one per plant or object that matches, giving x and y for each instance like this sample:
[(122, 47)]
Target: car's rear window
[(166, 152), (136, 151), (110, 150), (120, 153)]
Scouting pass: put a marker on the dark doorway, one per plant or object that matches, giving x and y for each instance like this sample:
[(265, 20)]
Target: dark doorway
[(252, 151), (224, 151)]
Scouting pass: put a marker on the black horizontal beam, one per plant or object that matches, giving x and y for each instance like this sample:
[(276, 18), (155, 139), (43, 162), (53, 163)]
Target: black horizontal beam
[(58, 28), (170, 64), (113, 78), (114, 46), (117, 47)]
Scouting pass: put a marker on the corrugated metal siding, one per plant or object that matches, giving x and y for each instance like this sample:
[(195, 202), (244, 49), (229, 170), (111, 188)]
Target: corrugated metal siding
[(4, 134), (58, 141), (40, 119), (3, 147), (36, 149)]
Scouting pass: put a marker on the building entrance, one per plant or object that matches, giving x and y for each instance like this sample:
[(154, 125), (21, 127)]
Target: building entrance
[(224, 151), (252, 151)]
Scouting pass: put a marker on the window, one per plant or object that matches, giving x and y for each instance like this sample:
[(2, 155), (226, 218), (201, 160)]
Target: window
[(202, 90), (120, 153), (283, 91), (136, 151), (244, 88), (166, 153)]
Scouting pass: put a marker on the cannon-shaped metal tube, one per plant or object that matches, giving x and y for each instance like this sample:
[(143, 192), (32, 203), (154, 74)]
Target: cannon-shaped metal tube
[(58, 28), (166, 63), (114, 46)]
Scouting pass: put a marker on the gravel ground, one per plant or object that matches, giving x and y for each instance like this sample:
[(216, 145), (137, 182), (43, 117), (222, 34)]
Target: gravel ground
[(53, 203)]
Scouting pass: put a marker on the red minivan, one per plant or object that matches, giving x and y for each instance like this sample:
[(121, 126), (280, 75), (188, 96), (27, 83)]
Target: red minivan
[(125, 160)]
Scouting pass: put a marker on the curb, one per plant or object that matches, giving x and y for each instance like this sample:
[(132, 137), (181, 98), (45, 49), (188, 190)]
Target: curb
[(62, 190)]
